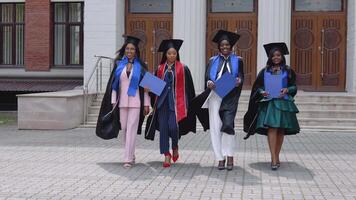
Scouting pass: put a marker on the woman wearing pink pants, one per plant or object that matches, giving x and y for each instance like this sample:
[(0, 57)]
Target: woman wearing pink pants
[(132, 100)]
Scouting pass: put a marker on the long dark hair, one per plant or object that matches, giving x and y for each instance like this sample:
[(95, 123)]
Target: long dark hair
[(270, 56), (164, 57), (121, 52)]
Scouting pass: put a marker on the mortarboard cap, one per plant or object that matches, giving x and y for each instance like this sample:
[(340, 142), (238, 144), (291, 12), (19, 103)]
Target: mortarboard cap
[(281, 46), (171, 43), (133, 40), (226, 35)]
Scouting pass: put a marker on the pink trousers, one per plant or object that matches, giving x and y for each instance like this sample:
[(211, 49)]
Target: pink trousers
[(129, 119)]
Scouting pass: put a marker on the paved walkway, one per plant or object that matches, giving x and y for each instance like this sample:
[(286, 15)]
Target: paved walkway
[(75, 164)]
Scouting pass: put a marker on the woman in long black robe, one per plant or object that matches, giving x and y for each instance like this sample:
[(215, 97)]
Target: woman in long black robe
[(172, 114), (113, 85), (273, 117), (220, 115)]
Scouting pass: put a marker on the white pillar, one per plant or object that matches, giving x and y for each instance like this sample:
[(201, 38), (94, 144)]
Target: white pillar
[(274, 25), (189, 24), (103, 27), (120, 23), (351, 48)]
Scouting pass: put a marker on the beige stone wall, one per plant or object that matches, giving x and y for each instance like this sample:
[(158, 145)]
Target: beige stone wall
[(53, 110)]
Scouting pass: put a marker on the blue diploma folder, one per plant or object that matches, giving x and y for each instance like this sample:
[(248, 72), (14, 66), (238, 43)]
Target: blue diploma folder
[(153, 83), (225, 84), (273, 85)]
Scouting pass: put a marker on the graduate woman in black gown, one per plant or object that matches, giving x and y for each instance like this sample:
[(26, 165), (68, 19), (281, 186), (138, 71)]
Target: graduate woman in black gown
[(123, 91), (220, 114), (273, 116), (171, 114)]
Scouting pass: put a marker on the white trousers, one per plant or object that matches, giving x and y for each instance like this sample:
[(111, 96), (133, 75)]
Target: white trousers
[(223, 143)]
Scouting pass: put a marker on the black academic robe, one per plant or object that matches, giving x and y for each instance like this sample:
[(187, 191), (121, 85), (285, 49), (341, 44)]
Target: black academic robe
[(106, 105), (187, 124), (228, 107), (250, 118)]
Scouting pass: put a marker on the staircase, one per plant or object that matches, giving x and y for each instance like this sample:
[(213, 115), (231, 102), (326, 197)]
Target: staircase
[(318, 111), (94, 88), (93, 111)]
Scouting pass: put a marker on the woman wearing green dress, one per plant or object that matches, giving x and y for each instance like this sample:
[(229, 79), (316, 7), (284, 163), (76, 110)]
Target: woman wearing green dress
[(274, 114)]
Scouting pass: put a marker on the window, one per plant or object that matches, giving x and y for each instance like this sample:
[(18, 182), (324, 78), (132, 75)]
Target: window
[(68, 34), (12, 26), (151, 6), (232, 6), (318, 5)]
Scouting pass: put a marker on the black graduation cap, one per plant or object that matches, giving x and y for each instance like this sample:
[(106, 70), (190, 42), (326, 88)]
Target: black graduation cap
[(226, 35), (172, 43), (276, 45), (133, 40)]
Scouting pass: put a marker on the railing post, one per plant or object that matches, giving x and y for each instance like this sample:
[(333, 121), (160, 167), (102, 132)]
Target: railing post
[(85, 105), (99, 80), (101, 76)]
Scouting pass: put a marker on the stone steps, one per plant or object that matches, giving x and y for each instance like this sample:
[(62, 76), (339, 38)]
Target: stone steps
[(309, 114), (238, 127), (318, 111), (304, 106)]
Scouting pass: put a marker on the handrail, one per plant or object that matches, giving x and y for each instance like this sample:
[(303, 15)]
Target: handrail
[(98, 71), (96, 66)]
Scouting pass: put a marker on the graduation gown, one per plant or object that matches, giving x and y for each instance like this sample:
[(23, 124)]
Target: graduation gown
[(106, 105), (185, 125), (251, 116), (228, 107)]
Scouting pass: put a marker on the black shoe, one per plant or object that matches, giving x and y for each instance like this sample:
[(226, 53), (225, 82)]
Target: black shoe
[(230, 163), (274, 167), (221, 165)]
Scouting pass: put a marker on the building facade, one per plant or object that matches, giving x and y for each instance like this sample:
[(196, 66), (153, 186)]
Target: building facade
[(41, 48), (320, 34), (56, 41)]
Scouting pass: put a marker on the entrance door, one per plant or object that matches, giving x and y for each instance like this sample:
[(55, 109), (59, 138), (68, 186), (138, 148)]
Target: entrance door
[(152, 22), (318, 47), (239, 16)]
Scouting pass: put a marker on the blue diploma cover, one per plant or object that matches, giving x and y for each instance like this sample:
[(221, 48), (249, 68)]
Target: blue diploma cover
[(273, 85), (153, 83), (225, 84)]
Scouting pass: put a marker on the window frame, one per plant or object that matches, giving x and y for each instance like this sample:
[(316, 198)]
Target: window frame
[(149, 13), (13, 25), (210, 8), (68, 25), (343, 7)]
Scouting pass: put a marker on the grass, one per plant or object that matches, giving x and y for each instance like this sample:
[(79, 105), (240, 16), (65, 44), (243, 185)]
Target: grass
[(7, 118)]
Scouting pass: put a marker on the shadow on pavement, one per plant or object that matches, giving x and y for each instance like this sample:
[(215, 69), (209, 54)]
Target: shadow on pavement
[(290, 170), (180, 171)]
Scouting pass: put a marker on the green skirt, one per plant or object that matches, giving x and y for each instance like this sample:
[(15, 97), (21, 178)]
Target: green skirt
[(277, 113)]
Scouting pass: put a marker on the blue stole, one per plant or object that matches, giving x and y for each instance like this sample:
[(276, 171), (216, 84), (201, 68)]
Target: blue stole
[(283, 74), (135, 79), (215, 65)]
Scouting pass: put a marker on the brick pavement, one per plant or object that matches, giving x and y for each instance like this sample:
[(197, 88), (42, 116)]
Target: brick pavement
[(75, 164)]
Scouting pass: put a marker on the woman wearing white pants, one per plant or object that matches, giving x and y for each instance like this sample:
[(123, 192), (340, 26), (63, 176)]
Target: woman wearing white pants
[(223, 143), (222, 111)]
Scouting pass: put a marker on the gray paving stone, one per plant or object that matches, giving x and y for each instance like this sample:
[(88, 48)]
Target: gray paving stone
[(75, 164)]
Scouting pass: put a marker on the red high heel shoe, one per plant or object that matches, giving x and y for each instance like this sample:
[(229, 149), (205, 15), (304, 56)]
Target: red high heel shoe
[(175, 157), (167, 163)]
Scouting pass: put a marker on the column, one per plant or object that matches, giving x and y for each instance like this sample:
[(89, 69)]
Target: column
[(38, 35), (274, 25), (189, 24), (104, 25), (351, 48)]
